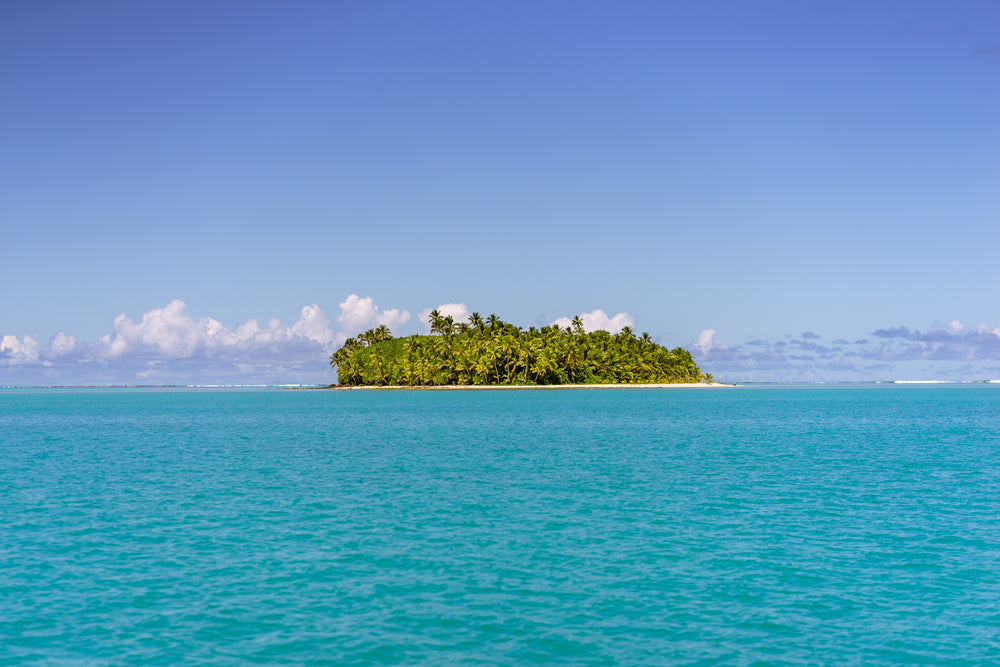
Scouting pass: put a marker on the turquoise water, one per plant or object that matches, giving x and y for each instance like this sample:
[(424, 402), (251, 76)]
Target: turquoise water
[(763, 524)]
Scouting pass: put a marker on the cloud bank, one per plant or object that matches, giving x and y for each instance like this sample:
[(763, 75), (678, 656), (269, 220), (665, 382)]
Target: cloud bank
[(171, 333), (169, 346), (951, 352)]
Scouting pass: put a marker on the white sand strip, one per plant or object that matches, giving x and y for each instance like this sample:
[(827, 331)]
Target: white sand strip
[(476, 387)]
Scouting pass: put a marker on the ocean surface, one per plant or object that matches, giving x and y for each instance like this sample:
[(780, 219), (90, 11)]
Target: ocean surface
[(815, 525)]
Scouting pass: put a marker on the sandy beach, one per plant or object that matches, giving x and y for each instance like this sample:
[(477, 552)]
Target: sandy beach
[(460, 387)]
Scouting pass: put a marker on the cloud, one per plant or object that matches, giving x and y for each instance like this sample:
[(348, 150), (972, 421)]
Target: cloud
[(984, 329), (758, 360), (893, 332), (706, 342), (313, 324), (894, 352), (164, 332), (13, 350), (457, 311), (954, 342), (63, 345), (360, 314), (598, 320), (171, 333)]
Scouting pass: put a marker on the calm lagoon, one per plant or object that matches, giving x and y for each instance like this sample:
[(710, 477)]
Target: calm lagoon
[(819, 524)]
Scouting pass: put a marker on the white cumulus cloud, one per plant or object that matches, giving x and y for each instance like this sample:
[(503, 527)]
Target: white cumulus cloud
[(598, 320), (62, 344), (171, 333), (984, 328), (313, 324), (706, 341), (359, 314), (18, 351)]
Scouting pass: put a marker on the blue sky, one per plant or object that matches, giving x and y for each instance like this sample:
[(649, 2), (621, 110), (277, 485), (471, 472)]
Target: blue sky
[(220, 192)]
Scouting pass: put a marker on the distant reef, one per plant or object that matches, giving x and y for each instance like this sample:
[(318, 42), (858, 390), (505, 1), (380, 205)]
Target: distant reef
[(491, 352)]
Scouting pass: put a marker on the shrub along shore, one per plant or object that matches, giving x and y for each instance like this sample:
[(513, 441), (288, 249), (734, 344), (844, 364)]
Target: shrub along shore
[(491, 352)]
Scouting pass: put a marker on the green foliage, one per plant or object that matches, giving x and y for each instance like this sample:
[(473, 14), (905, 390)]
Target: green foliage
[(493, 352)]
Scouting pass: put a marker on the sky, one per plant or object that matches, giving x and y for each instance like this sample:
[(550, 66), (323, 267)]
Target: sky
[(222, 192)]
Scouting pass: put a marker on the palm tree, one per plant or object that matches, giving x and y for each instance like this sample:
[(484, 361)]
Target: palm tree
[(435, 321)]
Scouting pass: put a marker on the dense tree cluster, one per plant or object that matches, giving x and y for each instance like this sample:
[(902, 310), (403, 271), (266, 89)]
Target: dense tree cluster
[(492, 352)]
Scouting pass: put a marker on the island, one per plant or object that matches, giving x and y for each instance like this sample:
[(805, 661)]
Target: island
[(491, 352)]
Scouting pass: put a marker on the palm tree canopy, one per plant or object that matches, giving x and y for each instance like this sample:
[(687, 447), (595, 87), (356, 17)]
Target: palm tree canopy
[(495, 353)]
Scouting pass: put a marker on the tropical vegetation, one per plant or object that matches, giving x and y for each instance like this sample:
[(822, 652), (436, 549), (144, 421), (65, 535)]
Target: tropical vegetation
[(492, 352)]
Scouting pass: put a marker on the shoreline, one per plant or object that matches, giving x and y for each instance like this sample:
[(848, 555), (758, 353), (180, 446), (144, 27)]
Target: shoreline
[(504, 387)]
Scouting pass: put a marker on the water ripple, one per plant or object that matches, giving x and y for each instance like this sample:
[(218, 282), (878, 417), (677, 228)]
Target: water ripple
[(810, 525)]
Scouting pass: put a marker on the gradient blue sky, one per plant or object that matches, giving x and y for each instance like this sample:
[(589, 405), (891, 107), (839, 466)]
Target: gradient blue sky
[(817, 183)]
